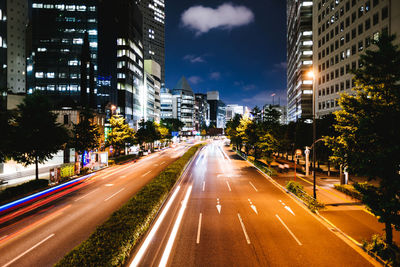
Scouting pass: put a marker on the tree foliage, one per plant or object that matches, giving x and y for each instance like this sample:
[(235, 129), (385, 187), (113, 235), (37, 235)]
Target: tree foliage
[(120, 135), (85, 134), (173, 125), (368, 140), (38, 136)]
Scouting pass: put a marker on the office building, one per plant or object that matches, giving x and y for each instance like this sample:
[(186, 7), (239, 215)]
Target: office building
[(154, 31), (183, 105), (217, 110), (152, 72), (167, 104), (201, 112), (13, 32), (343, 30), (299, 59), (232, 110), (121, 63), (58, 33)]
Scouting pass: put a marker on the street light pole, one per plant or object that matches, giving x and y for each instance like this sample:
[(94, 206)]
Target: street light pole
[(312, 74)]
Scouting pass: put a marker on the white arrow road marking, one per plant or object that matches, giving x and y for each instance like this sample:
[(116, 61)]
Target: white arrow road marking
[(244, 229), (290, 210), (229, 187), (218, 206), (287, 228), (29, 250), (253, 186), (199, 229), (253, 206)]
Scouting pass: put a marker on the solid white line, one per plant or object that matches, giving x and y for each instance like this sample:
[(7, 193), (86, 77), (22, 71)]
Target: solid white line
[(153, 231), (113, 195), (244, 229), (87, 194), (229, 187), (199, 229), (253, 186), (146, 173), (29, 250), (287, 228), (204, 185), (171, 240)]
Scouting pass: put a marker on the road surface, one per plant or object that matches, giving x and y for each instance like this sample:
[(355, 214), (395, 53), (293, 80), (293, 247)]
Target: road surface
[(225, 213), (41, 237)]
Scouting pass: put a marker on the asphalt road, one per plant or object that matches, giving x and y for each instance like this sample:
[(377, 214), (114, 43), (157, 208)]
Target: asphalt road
[(44, 235), (225, 213)]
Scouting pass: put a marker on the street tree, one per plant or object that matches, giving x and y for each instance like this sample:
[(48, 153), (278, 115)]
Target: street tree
[(120, 135), (85, 134), (147, 133), (368, 129), (6, 134), (38, 134), (173, 125), (232, 131)]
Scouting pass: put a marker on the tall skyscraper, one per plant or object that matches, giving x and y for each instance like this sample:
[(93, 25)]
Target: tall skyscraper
[(343, 30), (217, 110), (13, 29), (299, 59), (121, 64), (58, 33), (154, 31)]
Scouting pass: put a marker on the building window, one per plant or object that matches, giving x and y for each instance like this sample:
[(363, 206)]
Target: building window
[(360, 46), (360, 29), (66, 119), (385, 12), (375, 3), (375, 19)]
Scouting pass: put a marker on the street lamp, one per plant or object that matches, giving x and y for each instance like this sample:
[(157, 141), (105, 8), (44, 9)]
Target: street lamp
[(311, 74)]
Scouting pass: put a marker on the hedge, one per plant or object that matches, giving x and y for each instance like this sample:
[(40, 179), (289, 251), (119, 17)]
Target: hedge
[(311, 202), (349, 190), (18, 191), (112, 242), (123, 158), (378, 247)]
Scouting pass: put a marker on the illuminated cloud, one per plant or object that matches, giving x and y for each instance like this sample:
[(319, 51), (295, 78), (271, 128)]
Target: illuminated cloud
[(195, 79), (215, 75), (194, 59), (227, 16)]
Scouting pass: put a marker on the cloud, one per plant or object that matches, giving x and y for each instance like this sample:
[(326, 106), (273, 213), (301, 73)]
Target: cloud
[(245, 87), (227, 16), (195, 79), (264, 97), (281, 66), (194, 59), (215, 75)]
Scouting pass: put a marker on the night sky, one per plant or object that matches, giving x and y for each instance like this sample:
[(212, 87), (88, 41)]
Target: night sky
[(236, 47)]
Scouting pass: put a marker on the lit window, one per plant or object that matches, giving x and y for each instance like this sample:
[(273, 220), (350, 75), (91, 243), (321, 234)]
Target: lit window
[(81, 8), (73, 63), (307, 33), (308, 43), (77, 41), (307, 62), (70, 8), (39, 75), (51, 75), (93, 44), (93, 32), (41, 49), (307, 53)]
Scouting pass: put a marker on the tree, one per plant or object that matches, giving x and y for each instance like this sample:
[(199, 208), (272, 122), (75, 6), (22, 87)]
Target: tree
[(368, 129), (7, 134), (120, 135), (173, 125), (163, 133), (38, 134), (232, 131), (85, 134), (147, 133)]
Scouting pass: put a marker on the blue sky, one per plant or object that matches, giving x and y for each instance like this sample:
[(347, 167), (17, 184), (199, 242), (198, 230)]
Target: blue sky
[(236, 47)]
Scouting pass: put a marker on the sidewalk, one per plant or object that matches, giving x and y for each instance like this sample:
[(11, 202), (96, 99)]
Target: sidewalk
[(348, 214)]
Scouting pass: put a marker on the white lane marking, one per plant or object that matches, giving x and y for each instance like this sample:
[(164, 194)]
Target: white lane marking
[(199, 229), (109, 185), (1, 238), (244, 229), (229, 187), (123, 176), (218, 206), (156, 164), (113, 195), (153, 231), (171, 240), (117, 171), (204, 185), (146, 173), (287, 228), (29, 250), (253, 186), (85, 195), (253, 206), (290, 210), (162, 163)]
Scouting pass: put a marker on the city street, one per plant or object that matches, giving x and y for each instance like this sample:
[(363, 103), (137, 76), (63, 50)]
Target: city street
[(225, 213), (42, 236)]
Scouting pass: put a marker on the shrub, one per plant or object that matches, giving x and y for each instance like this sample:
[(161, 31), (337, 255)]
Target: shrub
[(112, 242), (349, 190), (18, 191), (124, 158), (84, 171), (311, 202), (378, 246)]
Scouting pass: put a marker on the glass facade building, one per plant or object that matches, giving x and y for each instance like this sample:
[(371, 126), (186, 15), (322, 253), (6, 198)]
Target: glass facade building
[(58, 32)]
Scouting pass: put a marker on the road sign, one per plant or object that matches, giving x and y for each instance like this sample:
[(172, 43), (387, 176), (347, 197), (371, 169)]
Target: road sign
[(298, 152)]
